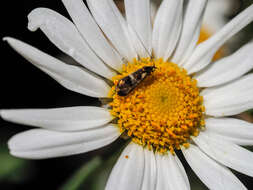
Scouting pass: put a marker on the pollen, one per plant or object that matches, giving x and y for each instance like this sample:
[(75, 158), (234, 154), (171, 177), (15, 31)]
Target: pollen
[(163, 111)]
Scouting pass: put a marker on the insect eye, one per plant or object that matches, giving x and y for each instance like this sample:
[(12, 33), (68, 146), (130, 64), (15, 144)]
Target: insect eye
[(149, 69), (122, 93), (128, 81)]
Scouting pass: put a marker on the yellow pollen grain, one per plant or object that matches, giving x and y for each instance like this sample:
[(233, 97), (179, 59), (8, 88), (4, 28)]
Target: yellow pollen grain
[(163, 111)]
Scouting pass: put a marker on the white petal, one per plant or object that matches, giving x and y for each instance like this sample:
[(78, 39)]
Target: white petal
[(226, 153), (230, 129), (205, 51), (190, 30), (162, 173), (41, 143), (91, 33), (113, 25), (212, 174), (216, 21), (69, 76), (150, 171), (60, 119), (179, 179), (41, 138), (128, 171), (139, 19), (229, 99), (227, 69), (66, 37), (167, 27), (154, 5), (171, 174)]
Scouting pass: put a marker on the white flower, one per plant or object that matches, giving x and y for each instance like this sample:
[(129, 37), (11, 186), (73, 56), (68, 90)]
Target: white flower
[(74, 130)]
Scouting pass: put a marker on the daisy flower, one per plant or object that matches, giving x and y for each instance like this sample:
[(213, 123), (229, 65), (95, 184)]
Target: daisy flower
[(182, 104)]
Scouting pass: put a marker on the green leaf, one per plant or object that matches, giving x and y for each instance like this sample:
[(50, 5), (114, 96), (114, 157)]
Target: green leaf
[(9, 164), (100, 176), (82, 174), (251, 112)]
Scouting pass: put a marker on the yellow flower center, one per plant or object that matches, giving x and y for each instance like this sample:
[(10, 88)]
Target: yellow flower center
[(161, 112)]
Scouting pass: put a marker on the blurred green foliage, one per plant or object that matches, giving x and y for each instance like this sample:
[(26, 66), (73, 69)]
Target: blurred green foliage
[(82, 174), (100, 176), (93, 174), (12, 168)]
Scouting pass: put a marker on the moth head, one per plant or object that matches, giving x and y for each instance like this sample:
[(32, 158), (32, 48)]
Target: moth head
[(149, 69)]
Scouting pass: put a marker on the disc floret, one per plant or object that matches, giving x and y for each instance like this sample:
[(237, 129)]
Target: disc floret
[(163, 111)]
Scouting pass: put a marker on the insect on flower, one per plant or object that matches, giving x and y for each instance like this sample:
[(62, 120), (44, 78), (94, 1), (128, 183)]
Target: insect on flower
[(128, 83)]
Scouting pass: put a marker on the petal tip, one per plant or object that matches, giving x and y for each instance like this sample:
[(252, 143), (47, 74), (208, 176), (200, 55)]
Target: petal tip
[(3, 114), (34, 19), (12, 153), (5, 38), (14, 43), (11, 144), (7, 114), (8, 39)]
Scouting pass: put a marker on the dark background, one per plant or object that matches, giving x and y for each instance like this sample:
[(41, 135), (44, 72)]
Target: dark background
[(24, 86)]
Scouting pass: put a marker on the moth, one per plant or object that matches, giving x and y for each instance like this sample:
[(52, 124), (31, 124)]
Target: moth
[(128, 83)]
